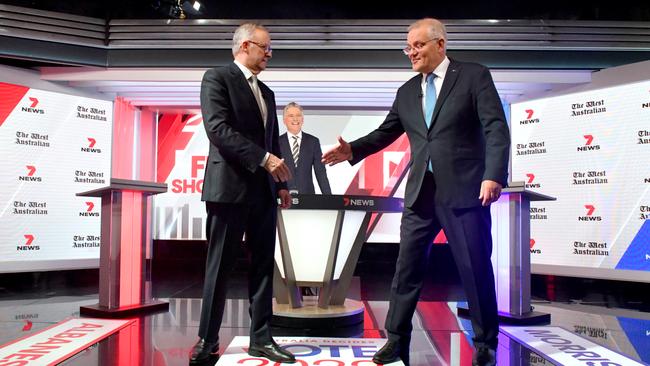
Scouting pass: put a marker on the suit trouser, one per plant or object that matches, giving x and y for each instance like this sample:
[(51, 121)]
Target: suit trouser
[(468, 232), (226, 224)]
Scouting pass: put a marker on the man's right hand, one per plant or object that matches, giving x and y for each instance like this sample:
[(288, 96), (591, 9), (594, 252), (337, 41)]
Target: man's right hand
[(343, 152), (277, 168)]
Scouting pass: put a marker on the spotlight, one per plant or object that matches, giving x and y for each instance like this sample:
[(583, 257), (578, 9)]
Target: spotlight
[(192, 7)]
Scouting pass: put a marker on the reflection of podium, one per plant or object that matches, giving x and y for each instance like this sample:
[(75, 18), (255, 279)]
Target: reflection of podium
[(511, 255), (125, 249), (319, 242)]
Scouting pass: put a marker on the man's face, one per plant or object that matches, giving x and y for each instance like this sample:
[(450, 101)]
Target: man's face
[(293, 119), (256, 55), (426, 53)]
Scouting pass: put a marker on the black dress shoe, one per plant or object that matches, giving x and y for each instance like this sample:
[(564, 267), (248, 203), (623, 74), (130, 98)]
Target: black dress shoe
[(484, 356), (203, 350), (390, 352), (271, 351)]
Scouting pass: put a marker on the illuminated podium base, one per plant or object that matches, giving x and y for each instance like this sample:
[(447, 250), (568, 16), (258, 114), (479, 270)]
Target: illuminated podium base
[(309, 315), (99, 311)]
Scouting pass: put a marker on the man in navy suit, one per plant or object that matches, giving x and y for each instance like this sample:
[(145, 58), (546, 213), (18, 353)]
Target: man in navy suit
[(460, 143), (301, 152), (244, 176)]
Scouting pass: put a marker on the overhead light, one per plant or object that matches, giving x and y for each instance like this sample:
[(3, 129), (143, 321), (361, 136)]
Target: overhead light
[(192, 7)]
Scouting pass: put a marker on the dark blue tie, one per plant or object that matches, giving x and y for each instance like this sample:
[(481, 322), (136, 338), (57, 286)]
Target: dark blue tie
[(430, 101)]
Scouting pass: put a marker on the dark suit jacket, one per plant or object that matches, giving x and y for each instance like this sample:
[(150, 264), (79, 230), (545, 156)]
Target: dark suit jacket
[(468, 140), (310, 155), (238, 139)]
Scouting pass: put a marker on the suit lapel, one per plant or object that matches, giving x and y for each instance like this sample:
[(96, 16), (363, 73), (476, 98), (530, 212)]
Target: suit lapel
[(415, 101), (447, 85)]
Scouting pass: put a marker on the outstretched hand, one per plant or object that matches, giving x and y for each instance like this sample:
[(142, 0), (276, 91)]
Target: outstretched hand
[(342, 152)]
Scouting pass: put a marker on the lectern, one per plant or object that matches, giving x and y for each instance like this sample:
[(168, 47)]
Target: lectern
[(511, 255), (318, 244), (125, 249)]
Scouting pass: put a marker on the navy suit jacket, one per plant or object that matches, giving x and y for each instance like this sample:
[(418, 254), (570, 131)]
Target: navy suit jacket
[(468, 140), (310, 155), (238, 138)]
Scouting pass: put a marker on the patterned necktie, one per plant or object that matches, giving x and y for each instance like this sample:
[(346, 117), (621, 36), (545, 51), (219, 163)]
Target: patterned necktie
[(258, 97), (295, 149), (430, 101)]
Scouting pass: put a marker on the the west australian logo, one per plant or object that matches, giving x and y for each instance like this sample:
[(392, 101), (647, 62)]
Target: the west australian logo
[(85, 112), (28, 244), (30, 175), (538, 213), (531, 148), (643, 137), (89, 211), (588, 107), (32, 107), (90, 147), (590, 248), (529, 118), (644, 212), (85, 241), (588, 144), (590, 214), (590, 177), (32, 139), (90, 176), (30, 208)]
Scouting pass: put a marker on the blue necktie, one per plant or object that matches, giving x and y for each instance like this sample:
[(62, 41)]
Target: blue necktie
[(430, 101), (429, 106)]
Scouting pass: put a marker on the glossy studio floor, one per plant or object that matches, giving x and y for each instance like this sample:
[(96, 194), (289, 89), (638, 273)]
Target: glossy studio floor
[(610, 314)]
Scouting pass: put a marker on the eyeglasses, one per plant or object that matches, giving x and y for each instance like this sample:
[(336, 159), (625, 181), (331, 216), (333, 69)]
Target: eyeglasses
[(266, 47), (417, 46)]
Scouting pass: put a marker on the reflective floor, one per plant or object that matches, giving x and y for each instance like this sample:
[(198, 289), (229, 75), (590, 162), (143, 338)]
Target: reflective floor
[(439, 336)]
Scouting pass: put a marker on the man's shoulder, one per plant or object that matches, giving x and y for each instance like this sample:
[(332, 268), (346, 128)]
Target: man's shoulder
[(219, 71), (308, 137), (466, 66)]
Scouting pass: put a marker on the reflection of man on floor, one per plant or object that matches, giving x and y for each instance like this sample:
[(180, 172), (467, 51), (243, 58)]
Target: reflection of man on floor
[(301, 152), (453, 117)]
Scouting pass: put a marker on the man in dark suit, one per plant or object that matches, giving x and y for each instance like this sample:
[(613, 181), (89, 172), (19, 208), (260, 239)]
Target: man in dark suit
[(243, 178), (302, 152), (460, 143)]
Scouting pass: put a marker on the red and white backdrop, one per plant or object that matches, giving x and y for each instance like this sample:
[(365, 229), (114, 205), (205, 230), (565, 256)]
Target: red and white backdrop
[(183, 146), (53, 146), (591, 150)]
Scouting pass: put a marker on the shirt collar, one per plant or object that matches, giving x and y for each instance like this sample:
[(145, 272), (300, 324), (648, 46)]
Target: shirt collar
[(244, 69), (441, 70), (291, 135)]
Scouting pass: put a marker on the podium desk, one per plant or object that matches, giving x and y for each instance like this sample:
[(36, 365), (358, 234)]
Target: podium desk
[(319, 240), (125, 249), (511, 255)]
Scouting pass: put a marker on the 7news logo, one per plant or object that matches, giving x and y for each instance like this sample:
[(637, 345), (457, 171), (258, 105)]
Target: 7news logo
[(358, 202), (90, 210), (534, 250), (590, 209), (90, 148), (28, 244), (32, 107), (30, 175), (530, 181), (529, 118), (588, 144)]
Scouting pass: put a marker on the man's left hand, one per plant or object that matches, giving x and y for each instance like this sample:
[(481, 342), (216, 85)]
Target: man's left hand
[(490, 192), (285, 198)]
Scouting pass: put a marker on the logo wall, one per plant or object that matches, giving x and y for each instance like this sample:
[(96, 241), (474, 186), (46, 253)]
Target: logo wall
[(54, 146), (591, 151)]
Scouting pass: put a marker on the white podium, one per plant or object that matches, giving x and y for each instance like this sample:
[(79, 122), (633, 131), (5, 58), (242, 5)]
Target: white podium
[(318, 244)]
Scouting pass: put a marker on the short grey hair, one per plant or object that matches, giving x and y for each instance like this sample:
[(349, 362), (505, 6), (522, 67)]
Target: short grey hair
[(243, 33), (435, 27), (291, 105)]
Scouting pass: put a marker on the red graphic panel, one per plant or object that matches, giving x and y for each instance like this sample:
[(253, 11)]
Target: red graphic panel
[(10, 96), (171, 138)]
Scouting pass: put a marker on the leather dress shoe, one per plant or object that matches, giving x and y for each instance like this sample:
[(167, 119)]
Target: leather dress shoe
[(484, 356), (203, 350), (390, 352), (272, 351)]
